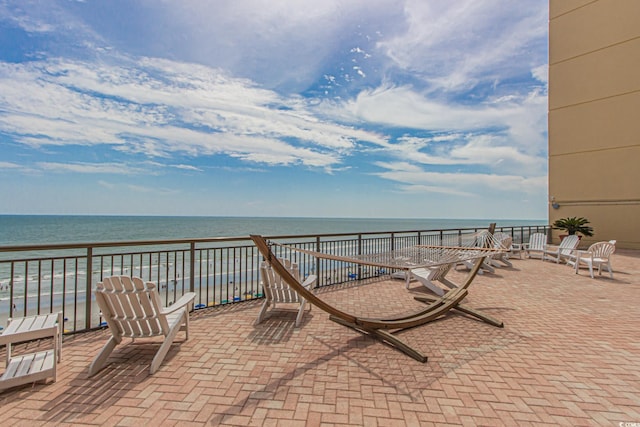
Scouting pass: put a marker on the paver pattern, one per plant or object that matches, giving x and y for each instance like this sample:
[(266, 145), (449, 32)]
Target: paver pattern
[(569, 354)]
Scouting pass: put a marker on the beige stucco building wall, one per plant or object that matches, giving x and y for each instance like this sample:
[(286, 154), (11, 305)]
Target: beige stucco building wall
[(594, 116)]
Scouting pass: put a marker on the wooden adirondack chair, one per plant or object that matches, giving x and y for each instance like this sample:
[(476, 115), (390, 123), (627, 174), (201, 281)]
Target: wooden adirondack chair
[(277, 291), (427, 276), (132, 309), (563, 251), (536, 245)]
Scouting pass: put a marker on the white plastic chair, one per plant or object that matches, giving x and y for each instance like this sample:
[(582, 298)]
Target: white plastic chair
[(277, 291), (132, 309), (598, 255)]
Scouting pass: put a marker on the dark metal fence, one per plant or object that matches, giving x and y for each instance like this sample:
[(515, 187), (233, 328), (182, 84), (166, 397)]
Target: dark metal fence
[(39, 279)]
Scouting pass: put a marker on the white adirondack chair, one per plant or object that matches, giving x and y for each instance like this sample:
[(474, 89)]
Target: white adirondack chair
[(598, 255), (503, 241), (427, 276), (536, 245), (132, 309), (277, 291), (563, 251)]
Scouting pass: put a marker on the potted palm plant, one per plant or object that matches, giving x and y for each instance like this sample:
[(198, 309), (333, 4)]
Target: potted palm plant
[(573, 225)]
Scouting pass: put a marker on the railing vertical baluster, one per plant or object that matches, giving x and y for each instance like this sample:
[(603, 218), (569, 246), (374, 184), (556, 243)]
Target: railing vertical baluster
[(88, 292), (192, 266)]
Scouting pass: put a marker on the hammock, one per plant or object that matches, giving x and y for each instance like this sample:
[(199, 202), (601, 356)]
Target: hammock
[(474, 246), (416, 256)]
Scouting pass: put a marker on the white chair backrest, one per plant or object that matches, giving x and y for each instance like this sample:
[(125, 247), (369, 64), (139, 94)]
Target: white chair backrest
[(568, 244), (132, 305), (502, 240), (537, 241), (277, 289), (601, 250)]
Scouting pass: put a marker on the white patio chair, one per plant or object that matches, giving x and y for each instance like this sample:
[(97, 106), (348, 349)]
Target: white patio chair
[(598, 255), (132, 309), (503, 241), (536, 245), (427, 276), (563, 251), (277, 291)]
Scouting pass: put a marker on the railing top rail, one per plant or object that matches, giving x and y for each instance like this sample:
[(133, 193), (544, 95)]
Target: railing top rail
[(186, 241)]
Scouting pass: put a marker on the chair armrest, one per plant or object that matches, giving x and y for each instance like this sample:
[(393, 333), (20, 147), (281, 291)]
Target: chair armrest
[(583, 254), (310, 281), (184, 300)]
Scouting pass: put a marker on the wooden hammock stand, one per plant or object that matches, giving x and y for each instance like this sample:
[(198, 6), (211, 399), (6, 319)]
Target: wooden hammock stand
[(380, 327)]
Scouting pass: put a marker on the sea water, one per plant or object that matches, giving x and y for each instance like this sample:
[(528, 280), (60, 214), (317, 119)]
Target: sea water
[(48, 229)]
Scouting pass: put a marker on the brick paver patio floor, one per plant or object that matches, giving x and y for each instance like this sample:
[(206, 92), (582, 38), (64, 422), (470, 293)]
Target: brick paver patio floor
[(569, 354)]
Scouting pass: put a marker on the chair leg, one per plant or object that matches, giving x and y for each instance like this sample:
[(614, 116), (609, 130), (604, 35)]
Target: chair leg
[(100, 360), (263, 310), (300, 313), (591, 270), (164, 349)]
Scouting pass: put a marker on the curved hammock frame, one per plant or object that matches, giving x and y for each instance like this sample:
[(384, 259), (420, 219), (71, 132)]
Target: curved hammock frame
[(380, 327)]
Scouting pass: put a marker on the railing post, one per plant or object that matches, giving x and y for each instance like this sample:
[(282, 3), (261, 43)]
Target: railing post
[(88, 293), (192, 267), (359, 253), (317, 261)]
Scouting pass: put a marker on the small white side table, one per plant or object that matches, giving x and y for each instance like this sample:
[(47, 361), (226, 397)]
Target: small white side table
[(30, 367)]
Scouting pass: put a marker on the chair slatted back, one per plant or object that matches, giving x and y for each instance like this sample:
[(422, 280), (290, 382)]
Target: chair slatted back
[(440, 271), (277, 289), (131, 307), (568, 244), (602, 250), (537, 241)]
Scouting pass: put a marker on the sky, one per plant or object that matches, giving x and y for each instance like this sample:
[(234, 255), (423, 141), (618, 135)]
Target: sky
[(285, 108)]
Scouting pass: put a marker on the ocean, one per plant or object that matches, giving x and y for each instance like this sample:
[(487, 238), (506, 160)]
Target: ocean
[(48, 229)]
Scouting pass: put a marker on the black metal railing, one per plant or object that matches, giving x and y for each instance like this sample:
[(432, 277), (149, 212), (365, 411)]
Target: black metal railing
[(39, 279)]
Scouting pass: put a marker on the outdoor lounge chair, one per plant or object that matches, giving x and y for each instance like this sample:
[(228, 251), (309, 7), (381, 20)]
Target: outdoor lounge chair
[(132, 309), (277, 291), (480, 242), (598, 255), (563, 251), (427, 276), (503, 241), (536, 245)]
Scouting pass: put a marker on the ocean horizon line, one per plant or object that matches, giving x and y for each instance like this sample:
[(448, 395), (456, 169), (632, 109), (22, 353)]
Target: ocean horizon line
[(268, 217)]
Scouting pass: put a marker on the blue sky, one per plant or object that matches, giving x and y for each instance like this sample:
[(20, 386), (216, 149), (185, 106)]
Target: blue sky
[(359, 108)]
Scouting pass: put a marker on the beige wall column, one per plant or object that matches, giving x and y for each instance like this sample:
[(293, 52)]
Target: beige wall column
[(594, 116)]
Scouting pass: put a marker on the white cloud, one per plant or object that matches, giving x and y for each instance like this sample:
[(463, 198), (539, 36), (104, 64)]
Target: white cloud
[(89, 168), (416, 179), (193, 110), (456, 45)]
